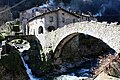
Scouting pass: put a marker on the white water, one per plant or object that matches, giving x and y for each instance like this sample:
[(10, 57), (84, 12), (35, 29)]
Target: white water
[(68, 77), (21, 47), (72, 76), (28, 71), (32, 77)]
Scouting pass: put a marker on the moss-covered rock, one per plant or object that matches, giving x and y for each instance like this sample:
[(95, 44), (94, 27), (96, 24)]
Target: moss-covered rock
[(2, 37), (11, 66)]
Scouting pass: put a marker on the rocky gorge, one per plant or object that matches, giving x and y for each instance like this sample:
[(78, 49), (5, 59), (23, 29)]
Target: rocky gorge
[(75, 63)]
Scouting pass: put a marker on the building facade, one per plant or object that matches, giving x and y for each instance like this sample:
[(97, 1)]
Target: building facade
[(52, 20), (30, 13)]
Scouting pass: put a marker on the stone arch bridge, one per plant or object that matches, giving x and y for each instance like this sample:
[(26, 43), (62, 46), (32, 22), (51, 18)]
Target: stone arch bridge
[(108, 33)]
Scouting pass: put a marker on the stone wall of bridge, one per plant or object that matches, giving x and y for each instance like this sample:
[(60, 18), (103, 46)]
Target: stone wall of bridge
[(108, 33)]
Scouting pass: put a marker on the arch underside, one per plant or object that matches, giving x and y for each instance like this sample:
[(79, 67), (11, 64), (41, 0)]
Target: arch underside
[(64, 41)]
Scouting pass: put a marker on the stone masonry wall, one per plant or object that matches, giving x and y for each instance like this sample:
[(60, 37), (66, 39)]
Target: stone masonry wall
[(108, 33)]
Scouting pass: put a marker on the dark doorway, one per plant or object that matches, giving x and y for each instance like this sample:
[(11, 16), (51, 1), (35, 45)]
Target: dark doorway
[(50, 28), (40, 30)]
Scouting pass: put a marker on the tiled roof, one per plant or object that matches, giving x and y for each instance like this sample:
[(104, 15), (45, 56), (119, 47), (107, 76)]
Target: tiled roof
[(76, 15)]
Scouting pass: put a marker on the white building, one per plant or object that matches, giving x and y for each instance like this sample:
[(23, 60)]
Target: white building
[(52, 20), (46, 22), (30, 13)]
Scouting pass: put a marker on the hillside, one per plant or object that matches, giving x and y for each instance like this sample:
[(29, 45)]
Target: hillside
[(104, 10)]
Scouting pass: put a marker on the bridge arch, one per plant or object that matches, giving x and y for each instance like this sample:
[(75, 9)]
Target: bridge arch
[(27, 45), (28, 38), (108, 33), (60, 45), (68, 38), (31, 39)]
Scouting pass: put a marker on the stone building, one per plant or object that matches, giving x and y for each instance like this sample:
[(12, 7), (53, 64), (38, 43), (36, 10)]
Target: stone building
[(30, 13), (11, 28), (52, 20)]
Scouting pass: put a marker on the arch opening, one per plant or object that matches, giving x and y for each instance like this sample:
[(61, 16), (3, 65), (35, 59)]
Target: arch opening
[(76, 46), (51, 28), (40, 30)]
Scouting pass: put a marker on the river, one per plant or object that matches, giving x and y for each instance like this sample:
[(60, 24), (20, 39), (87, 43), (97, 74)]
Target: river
[(71, 74)]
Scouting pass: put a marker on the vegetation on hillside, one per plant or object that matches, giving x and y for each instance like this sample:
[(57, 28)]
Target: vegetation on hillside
[(11, 66)]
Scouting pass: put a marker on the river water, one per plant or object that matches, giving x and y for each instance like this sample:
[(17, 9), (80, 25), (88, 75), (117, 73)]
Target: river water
[(72, 74), (76, 74), (28, 71)]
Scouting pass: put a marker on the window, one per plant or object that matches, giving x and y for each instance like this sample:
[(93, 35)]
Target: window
[(50, 28), (40, 30), (16, 28), (82, 17), (51, 19), (63, 19), (32, 15), (36, 9), (33, 11), (88, 19), (73, 20), (34, 31)]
